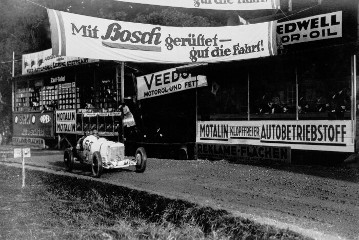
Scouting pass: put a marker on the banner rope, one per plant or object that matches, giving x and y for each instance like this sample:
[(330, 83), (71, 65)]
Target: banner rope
[(303, 10), (10, 61), (37, 4)]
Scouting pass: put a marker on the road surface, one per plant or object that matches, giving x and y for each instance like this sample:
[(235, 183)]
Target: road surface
[(320, 201)]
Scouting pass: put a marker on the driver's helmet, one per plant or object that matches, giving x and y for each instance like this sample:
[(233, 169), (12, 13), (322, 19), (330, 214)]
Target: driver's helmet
[(95, 133)]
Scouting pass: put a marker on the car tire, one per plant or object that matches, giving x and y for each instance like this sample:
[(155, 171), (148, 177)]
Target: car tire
[(182, 154), (141, 160), (69, 159), (96, 165)]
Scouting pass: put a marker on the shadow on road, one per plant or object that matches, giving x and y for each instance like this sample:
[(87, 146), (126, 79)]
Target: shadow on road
[(323, 167)]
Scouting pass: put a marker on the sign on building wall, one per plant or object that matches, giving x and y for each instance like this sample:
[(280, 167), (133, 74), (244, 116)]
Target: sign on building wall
[(323, 135), (34, 125), (66, 121), (89, 37), (319, 27), (45, 60), (213, 4), (166, 82), (244, 152), (38, 142)]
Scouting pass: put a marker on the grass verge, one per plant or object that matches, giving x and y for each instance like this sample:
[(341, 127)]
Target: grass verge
[(60, 207)]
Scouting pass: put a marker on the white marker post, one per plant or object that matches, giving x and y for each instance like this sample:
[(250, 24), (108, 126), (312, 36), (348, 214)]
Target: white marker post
[(23, 153)]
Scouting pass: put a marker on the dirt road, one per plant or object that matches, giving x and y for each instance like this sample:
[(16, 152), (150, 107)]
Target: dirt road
[(309, 199)]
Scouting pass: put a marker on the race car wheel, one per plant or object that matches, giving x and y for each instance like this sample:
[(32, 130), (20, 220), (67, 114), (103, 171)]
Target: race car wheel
[(141, 160), (96, 164), (182, 154), (69, 160)]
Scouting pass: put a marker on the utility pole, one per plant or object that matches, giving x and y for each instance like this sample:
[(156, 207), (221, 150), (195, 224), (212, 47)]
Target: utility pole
[(13, 64)]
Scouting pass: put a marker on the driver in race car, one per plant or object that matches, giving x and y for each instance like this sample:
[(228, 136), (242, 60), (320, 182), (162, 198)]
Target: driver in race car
[(90, 135), (79, 145), (84, 143)]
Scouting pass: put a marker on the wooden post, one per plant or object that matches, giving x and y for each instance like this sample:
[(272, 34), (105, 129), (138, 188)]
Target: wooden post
[(354, 95), (13, 64), (123, 97), (23, 168), (296, 95), (13, 83), (248, 105)]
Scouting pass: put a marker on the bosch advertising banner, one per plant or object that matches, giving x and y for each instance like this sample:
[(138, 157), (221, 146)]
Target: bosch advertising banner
[(66, 121), (45, 61), (321, 135), (34, 125), (89, 37), (319, 27), (213, 4), (166, 82)]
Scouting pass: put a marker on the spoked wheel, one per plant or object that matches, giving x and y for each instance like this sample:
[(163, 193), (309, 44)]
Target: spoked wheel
[(69, 160), (96, 165), (141, 160)]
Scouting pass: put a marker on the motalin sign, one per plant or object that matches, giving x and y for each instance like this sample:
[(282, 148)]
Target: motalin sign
[(66, 121), (334, 135)]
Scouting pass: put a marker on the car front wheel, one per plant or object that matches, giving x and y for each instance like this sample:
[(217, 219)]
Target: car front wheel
[(69, 160), (96, 165)]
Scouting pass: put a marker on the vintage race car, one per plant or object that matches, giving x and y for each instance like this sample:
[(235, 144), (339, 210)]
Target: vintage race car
[(103, 154)]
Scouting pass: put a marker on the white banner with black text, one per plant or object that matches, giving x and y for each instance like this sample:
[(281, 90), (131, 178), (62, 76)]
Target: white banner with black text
[(166, 82), (321, 135), (213, 4), (89, 37)]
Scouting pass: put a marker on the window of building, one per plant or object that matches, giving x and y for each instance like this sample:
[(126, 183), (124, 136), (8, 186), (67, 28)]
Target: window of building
[(315, 85)]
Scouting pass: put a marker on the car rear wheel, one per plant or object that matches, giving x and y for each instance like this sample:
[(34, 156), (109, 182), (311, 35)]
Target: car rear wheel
[(69, 160), (141, 160), (96, 165)]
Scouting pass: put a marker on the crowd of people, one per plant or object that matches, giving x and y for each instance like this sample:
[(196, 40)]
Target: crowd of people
[(337, 103)]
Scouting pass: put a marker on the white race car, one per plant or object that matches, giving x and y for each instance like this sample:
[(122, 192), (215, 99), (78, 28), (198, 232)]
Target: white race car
[(103, 154)]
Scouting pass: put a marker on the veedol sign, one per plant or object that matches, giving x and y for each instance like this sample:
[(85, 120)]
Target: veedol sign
[(167, 81), (89, 37), (214, 4)]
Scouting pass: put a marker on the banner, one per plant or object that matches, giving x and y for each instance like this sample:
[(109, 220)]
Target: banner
[(44, 61), (213, 4), (37, 142), (319, 27), (89, 37), (33, 125), (322, 135), (244, 152), (166, 82), (66, 121)]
